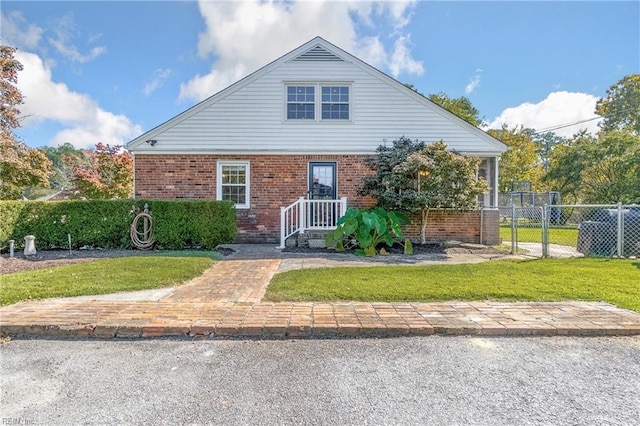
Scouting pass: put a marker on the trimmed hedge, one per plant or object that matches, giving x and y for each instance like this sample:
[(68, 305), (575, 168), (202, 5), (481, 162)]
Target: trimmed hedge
[(177, 224)]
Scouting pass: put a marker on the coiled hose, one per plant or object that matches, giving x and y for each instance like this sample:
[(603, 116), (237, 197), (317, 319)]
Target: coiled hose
[(142, 240)]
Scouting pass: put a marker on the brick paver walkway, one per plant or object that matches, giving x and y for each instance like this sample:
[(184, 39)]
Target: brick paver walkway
[(226, 302), (240, 281)]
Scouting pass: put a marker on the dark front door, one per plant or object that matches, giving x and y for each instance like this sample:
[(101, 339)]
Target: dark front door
[(322, 181)]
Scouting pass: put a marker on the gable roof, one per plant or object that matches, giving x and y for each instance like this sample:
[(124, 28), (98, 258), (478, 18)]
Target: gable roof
[(316, 49)]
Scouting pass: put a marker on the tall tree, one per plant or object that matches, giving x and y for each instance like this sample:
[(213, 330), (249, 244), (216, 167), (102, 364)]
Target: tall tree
[(105, 173), (11, 95), (415, 177), (545, 142), (567, 162), (521, 161), (462, 107), (621, 108), (598, 169), (61, 158), (20, 166)]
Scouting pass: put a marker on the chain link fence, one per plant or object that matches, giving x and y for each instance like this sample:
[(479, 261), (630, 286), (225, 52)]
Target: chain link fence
[(572, 230)]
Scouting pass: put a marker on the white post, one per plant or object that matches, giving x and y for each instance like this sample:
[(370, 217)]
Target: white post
[(481, 224), (283, 225), (495, 182), (343, 206), (302, 220)]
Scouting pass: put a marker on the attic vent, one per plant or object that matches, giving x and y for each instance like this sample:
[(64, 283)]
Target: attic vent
[(317, 54)]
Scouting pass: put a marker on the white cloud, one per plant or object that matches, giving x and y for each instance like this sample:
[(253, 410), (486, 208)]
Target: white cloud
[(157, 81), (245, 35), (401, 60), (47, 100), (474, 82), (16, 32), (65, 30), (558, 109)]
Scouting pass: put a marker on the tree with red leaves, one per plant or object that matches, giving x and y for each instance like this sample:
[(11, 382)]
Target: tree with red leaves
[(105, 173)]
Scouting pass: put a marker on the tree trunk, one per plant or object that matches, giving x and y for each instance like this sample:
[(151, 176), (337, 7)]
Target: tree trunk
[(423, 231)]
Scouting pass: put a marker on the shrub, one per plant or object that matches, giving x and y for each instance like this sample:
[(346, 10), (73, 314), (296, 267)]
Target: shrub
[(105, 223), (366, 229)]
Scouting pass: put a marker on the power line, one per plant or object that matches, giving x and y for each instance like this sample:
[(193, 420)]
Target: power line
[(562, 126)]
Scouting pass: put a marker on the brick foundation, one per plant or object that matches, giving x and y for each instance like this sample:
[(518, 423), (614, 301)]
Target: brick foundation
[(278, 181), (462, 226)]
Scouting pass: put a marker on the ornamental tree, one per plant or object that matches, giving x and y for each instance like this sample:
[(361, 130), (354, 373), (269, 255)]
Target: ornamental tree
[(414, 177), (105, 173)]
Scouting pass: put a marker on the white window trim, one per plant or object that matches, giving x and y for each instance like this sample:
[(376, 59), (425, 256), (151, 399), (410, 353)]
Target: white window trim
[(222, 163), (318, 101)]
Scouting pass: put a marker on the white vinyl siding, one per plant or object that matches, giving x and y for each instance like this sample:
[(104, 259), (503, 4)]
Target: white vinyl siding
[(253, 119), (233, 182)]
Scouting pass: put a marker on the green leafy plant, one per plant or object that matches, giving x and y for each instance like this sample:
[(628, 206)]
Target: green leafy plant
[(365, 229), (408, 246)]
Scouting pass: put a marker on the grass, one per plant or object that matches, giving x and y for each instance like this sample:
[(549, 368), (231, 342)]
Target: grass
[(613, 281), (564, 236), (102, 277)]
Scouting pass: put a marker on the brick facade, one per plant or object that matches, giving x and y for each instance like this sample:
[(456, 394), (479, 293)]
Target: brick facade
[(279, 180)]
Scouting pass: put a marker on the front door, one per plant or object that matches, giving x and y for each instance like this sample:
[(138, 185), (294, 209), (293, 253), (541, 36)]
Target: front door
[(322, 181), (322, 186)]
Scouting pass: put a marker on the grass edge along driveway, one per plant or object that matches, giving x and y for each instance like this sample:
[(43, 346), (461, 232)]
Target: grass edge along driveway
[(102, 276), (616, 281)]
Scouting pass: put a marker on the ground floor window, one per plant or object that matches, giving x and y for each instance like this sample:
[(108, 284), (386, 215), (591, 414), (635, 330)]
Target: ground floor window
[(233, 182)]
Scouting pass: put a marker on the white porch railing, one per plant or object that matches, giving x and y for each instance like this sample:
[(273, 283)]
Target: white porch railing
[(310, 214)]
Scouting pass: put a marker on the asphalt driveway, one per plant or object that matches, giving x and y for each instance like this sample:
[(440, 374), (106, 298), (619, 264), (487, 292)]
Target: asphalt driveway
[(419, 380)]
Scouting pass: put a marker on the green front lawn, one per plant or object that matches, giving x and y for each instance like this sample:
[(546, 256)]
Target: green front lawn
[(613, 281), (561, 236), (101, 277)]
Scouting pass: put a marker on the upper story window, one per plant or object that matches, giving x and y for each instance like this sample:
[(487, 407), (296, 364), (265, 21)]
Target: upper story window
[(335, 102), (317, 101), (301, 102)]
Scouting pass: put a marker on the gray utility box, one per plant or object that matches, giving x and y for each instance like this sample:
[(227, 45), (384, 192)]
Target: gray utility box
[(599, 236)]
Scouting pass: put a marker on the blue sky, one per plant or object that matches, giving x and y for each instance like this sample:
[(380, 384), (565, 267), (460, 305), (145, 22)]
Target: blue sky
[(107, 71)]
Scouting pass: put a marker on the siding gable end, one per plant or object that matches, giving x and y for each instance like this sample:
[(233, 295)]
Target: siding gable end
[(248, 116)]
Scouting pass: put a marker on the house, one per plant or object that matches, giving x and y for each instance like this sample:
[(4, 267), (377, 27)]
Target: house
[(287, 144)]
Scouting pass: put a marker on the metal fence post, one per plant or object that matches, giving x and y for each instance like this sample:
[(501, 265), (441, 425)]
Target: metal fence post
[(545, 231), (514, 231), (620, 236)]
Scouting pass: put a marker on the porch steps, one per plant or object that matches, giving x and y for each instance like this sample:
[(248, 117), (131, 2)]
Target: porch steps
[(311, 239)]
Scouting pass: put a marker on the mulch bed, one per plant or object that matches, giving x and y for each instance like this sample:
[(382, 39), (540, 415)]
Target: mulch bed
[(418, 249), (49, 258)]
